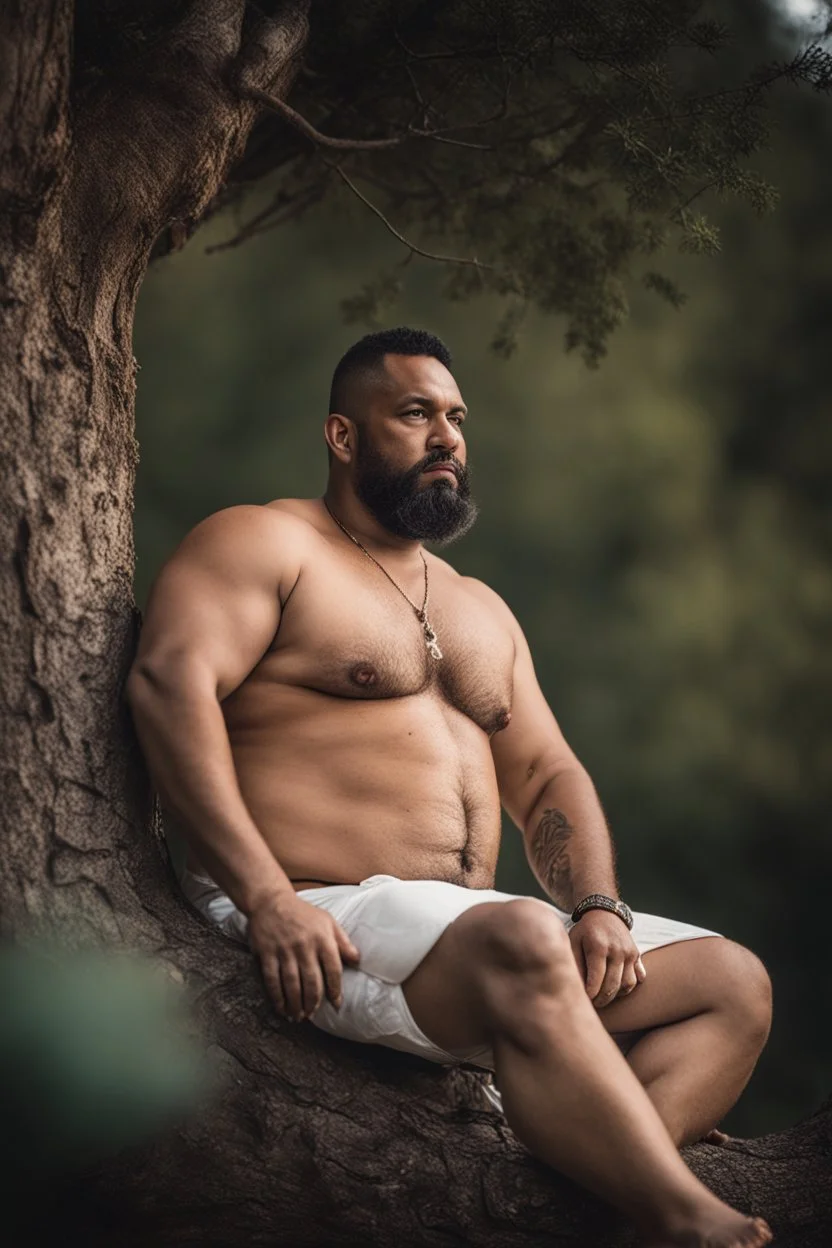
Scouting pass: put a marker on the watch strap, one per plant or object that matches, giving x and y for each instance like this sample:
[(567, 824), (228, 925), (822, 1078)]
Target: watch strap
[(598, 901)]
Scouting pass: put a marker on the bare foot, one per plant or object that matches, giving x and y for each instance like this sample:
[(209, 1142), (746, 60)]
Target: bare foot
[(719, 1227)]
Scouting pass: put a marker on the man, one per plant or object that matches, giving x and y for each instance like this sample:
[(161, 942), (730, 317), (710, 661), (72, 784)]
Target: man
[(334, 715)]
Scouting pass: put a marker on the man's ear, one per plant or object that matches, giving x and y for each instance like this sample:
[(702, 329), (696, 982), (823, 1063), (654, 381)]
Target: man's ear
[(339, 432)]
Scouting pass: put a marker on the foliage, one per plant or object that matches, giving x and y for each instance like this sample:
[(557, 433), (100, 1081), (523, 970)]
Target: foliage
[(94, 1055), (547, 150)]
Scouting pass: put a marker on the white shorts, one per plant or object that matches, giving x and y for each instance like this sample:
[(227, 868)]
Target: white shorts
[(394, 924)]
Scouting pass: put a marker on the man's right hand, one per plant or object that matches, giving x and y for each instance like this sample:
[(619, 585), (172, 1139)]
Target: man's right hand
[(302, 951)]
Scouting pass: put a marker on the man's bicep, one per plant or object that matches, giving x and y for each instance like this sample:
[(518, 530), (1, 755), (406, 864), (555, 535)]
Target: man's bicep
[(215, 606), (532, 748)]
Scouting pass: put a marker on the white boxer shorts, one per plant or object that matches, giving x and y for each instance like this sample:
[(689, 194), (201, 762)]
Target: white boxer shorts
[(394, 924)]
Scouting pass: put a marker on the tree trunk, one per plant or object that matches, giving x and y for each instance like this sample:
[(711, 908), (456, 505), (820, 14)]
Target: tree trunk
[(311, 1141), (86, 194)]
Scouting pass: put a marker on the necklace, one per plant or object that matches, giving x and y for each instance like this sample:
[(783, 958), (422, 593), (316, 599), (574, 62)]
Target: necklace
[(421, 612)]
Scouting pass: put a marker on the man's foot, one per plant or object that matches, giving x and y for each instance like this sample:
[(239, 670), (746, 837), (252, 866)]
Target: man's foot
[(715, 1137), (719, 1227)]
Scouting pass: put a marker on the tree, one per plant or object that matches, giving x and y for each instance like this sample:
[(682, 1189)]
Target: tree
[(552, 150)]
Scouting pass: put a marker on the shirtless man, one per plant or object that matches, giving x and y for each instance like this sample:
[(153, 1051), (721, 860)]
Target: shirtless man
[(334, 716)]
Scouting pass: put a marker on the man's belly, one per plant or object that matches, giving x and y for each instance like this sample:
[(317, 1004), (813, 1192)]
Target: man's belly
[(342, 789)]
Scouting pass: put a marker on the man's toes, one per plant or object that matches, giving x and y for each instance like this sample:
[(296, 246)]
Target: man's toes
[(760, 1235), (716, 1137)]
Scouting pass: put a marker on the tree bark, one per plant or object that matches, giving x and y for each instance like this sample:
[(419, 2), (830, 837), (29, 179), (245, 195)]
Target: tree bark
[(310, 1141), (318, 1142), (87, 191)]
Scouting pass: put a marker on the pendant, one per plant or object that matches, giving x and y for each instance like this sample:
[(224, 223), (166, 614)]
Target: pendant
[(431, 642), (430, 636)]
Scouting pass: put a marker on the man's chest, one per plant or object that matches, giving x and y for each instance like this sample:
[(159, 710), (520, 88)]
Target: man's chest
[(353, 635)]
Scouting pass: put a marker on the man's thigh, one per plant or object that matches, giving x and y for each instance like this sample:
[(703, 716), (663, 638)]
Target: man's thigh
[(683, 979), (443, 993), (444, 996)]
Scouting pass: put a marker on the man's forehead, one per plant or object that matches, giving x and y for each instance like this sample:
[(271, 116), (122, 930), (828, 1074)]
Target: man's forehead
[(422, 374)]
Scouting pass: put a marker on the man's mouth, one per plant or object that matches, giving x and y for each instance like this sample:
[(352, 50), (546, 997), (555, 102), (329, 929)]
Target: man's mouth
[(437, 468)]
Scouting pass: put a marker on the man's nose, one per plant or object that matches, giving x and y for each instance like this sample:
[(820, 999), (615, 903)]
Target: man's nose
[(444, 434)]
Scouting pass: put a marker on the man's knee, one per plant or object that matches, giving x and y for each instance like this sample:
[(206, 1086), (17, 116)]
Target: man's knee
[(744, 989), (489, 972), (522, 950)]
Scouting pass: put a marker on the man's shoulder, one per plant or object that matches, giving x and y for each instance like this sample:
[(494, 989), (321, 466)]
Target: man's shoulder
[(247, 542), (490, 599), (247, 521), (483, 591)]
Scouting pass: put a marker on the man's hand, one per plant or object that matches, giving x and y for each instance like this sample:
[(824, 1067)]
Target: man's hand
[(607, 957), (301, 951)]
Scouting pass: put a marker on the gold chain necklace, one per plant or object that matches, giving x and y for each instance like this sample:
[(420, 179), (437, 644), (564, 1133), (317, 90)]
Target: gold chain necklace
[(421, 612)]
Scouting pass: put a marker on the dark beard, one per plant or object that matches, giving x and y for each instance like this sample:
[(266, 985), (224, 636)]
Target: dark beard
[(438, 512)]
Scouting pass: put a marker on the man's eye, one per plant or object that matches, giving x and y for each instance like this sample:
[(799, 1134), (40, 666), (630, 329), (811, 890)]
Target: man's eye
[(460, 420), (414, 411)]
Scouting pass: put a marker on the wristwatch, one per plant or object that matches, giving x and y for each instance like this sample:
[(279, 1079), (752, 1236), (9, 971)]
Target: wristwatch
[(597, 901)]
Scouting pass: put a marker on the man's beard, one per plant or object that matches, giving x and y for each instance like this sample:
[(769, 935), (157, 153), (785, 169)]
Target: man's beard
[(438, 512)]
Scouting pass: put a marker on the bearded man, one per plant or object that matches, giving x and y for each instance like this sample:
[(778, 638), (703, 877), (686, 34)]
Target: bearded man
[(334, 715)]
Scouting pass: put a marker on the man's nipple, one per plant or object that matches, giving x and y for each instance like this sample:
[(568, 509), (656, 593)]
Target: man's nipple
[(363, 674), (503, 720)]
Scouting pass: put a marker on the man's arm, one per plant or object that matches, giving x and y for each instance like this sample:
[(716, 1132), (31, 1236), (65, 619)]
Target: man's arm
[(552, 800), (212, 614), (567, 841), (545, 789)]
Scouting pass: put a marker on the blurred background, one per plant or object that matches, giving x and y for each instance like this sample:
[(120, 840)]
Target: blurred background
[(661, 527)]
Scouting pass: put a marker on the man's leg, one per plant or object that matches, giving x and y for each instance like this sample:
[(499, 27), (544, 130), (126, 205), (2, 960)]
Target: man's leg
[(504, 974), (706, 1008)]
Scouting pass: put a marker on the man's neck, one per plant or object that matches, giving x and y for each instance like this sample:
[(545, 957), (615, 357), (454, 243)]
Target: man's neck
[(363, 525)]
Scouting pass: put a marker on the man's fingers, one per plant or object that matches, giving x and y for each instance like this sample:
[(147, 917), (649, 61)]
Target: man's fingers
[(611, 984), (346, 948), (271, 978), (629, 980), (641, 973), (312, 984), (290, 978), (331, 967)]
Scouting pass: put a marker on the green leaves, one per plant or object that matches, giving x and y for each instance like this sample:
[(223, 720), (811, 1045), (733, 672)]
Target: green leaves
[(699, 236), (96, 1052), (665, 288), (501, 119), (554, 143)]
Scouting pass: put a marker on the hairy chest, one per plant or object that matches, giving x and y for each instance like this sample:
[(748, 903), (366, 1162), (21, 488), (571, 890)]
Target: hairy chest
[(352, 635)]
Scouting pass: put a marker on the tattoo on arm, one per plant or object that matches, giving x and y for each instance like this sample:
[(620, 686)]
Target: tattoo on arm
[(549, 853)]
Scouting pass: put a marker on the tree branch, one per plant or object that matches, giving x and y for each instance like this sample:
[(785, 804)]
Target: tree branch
[(306, 128), (281, 209), (272, 47), (418, 251), (212, 29)]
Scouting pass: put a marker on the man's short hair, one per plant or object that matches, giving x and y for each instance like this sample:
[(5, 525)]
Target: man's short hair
[(366, 357)]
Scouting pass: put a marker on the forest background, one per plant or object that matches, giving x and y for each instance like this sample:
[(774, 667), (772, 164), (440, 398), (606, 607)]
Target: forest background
[(661, 526)]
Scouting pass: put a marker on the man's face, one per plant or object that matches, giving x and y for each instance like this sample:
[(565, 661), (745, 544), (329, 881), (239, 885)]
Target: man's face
[(412, 426)]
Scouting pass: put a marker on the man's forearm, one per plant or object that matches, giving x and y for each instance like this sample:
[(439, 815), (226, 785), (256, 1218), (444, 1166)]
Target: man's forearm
[(185, 743), (567, 841)]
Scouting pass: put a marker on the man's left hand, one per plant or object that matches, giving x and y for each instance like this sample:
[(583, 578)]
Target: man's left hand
[(607, 957)]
